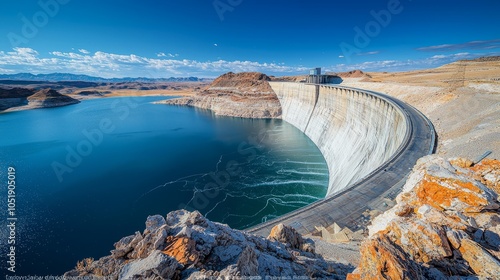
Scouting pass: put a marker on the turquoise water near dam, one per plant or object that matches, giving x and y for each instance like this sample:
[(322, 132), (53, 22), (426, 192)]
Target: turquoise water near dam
[(88, 174)]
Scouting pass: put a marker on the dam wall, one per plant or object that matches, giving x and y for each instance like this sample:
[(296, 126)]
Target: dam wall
[(357, 131), (370, 141)]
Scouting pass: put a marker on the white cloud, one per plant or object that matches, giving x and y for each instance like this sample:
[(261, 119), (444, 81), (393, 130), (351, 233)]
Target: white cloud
[(108, 65), (162, 54), (117, 65), (404, 65), (369, 53), (84, 51), (472, 45), (216, 45)]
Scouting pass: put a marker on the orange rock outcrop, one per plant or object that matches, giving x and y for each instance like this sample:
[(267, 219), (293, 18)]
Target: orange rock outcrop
[(446, 223), (182, 249)]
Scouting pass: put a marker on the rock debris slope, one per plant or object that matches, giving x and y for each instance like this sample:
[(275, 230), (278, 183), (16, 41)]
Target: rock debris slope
[(246, 95), (446, 223), (186, 245)]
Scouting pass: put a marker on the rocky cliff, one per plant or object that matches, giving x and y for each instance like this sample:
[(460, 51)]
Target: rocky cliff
[(446, 223), (185, 245), (246, 95)]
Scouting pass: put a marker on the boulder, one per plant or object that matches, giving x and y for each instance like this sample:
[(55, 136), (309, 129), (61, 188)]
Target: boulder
[(155, 265), (381, 258), (483, 263), (287, 235)]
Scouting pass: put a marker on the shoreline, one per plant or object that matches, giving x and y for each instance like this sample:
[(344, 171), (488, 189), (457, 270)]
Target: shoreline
[(90, 97)]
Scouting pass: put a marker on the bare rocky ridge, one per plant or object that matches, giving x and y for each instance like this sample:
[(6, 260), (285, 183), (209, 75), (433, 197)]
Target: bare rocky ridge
[(247, 95), (185, 245)]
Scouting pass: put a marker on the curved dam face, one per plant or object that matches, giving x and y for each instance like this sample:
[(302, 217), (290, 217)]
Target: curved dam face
[(370, 141), (355, 130)]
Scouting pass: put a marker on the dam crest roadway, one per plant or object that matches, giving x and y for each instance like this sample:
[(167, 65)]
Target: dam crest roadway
[(370, 142)]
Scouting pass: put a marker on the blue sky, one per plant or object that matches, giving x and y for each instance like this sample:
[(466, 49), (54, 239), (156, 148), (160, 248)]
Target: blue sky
[(205, 38)]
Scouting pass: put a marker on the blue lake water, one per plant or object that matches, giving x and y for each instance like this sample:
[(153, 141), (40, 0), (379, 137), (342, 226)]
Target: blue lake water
[(88, 174)]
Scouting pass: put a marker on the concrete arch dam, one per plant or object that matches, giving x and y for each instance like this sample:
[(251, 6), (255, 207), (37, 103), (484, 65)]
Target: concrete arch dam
[(370, 142)]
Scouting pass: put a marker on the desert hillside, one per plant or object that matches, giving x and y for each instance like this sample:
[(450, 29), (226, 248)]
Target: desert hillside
[(462, 99), (47, 98), (244, 83)]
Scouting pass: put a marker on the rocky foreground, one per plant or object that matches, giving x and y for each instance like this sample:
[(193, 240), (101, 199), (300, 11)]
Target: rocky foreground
[(246, 95), (445, 225), (185, 245)]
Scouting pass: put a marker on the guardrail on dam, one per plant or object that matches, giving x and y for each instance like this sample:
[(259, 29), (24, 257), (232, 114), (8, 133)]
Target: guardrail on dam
[(370, 142)]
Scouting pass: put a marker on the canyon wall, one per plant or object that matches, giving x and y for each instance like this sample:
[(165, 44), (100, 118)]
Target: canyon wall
[(355, 130)]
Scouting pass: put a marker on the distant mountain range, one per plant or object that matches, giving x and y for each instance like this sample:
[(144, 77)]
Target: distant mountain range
[(61, 77)]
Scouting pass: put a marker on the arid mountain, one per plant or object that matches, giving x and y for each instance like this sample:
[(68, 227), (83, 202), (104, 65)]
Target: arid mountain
[(243, 83), (354, 74), (46, 98)]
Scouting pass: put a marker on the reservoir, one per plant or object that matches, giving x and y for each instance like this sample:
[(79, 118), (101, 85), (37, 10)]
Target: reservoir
[(89, 174)]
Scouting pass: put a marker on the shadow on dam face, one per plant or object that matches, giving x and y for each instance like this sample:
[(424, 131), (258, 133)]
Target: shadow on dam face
[(370, 142)]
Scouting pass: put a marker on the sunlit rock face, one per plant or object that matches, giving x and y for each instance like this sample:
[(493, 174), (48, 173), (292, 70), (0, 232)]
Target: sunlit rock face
[(246, 95), (446, 223)]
